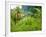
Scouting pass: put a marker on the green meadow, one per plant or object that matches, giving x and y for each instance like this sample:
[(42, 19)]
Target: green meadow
[(27, 18)]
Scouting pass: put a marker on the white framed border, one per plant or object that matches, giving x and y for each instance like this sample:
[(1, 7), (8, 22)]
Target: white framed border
[(22, 34)]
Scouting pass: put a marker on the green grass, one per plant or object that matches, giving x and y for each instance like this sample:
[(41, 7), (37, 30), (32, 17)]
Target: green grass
[(26, 24), (29, 22)]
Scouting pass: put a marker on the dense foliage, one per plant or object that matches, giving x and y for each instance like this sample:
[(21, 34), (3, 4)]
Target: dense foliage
[(22, 20)]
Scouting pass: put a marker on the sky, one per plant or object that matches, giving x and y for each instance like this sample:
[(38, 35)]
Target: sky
[(14, 6)]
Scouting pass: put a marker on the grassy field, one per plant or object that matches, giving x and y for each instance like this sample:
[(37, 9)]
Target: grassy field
[(26, 23)]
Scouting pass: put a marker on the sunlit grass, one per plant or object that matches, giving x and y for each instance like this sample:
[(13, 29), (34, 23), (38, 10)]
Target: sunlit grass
[(26, 22)]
